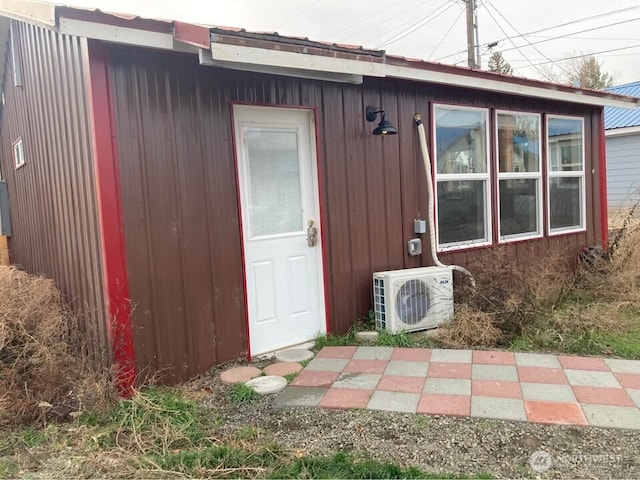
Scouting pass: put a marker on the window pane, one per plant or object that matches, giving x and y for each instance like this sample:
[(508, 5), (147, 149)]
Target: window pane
[(461, 137), (518, 142), (565, 144), (565, 199), (518, 207), (274, 182), (461, 211)]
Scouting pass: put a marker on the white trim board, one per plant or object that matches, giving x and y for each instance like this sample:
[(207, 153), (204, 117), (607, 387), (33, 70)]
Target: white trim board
[(618, 132), (111, 33), (303, 61), (408, 73), (205, 59)]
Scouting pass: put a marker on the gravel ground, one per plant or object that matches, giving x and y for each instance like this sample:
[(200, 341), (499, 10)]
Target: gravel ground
[(436, 444)]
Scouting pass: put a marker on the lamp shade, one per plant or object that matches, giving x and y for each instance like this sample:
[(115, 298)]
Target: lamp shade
[(385, 127)]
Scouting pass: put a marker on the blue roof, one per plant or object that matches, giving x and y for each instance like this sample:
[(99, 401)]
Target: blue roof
[(616, 117)]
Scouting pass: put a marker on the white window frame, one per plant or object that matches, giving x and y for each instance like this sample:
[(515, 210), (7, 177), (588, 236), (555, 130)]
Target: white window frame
[(461, 177), (568, 174), (520, 176), (18, 154)]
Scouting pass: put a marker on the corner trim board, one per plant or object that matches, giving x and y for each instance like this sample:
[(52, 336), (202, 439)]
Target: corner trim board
[(109, 203)]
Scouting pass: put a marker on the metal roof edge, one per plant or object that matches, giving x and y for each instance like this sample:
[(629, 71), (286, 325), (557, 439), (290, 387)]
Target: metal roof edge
[(486, 80), (45, 14)]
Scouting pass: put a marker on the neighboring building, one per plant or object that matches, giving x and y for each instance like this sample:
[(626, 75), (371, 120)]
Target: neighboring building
[(164, 175), (623, 152)]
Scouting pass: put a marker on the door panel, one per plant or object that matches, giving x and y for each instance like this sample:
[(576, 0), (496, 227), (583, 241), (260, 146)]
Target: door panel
[(279, 195)]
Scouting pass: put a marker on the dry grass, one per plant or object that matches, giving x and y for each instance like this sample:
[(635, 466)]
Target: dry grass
[(616, 279), (41, 373), (511, 294), (471, 328), (548, 303)]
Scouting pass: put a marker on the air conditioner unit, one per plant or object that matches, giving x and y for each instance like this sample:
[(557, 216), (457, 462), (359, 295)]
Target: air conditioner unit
[(413, 299)]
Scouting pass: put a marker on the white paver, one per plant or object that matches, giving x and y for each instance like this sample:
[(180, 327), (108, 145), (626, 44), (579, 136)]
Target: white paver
[(267, 384), (294, 355)]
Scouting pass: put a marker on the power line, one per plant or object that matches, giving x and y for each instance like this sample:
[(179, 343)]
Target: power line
[(514, 44), (590, 54), (590, 38), (561, 59), (576, 33), (398, 29), (584, 19), (424, 20), (300, 13), (406, 30), (447, 34), (553, 27), (489, 4), (374, 15)]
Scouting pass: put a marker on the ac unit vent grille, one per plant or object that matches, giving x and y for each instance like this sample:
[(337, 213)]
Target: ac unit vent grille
[(379, 303), (412, 302)]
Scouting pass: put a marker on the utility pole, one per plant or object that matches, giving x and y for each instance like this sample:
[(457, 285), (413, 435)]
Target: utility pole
[(473, 43), (475, 27), (471, 51)]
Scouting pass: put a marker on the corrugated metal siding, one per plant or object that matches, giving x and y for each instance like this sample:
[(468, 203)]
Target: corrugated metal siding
[(623, 170), (174, 135), (53, 203), (616, 117)]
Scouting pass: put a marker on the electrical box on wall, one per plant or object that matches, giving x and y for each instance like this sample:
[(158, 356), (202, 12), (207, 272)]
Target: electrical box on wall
[(420, 226), (5, 220), (414, 247)]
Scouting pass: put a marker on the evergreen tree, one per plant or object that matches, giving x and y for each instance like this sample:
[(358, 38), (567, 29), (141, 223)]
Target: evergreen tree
[(497, 63)]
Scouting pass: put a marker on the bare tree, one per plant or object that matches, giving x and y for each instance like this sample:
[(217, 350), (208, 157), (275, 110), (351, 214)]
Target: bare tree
[(584, 71), (497, 63)]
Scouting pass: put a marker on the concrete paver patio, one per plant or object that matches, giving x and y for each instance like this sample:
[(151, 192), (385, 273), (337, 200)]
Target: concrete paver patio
[(540, 388)]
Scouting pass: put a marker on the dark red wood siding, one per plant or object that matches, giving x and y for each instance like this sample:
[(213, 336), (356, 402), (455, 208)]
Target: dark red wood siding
[(174, 136), (52, 197)]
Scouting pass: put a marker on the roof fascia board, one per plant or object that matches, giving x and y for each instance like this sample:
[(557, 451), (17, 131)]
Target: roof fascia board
[(618, 132), (251, 57), (408, 73), (37, 13), (116, 34), (205, 59)]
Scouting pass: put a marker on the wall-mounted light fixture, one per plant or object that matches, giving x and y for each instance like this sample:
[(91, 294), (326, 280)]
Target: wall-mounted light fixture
[(384, 127)]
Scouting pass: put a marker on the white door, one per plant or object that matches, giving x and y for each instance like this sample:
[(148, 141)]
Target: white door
[(279, 199)]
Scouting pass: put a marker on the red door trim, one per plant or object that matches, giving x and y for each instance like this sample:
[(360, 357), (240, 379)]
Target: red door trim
[(109, 202)]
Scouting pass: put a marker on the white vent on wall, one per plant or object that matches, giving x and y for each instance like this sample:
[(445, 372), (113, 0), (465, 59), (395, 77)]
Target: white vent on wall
[(413, 299)]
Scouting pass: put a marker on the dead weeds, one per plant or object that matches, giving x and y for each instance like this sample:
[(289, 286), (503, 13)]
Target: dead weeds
[(42, 373), (512, 292), (540, 301)]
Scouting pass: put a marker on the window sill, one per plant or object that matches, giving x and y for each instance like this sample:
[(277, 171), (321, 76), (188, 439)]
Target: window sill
[(463, 247), (519, 238), (567, 231)]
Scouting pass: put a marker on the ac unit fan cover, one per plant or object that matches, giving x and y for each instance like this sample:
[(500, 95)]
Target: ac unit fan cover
[(412, 301)]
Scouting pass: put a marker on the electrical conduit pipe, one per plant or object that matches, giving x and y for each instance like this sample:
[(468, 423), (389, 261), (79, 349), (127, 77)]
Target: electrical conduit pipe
[(417, 118)]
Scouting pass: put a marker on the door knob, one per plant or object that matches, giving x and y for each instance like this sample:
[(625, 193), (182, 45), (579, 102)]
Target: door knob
[(312, 234)]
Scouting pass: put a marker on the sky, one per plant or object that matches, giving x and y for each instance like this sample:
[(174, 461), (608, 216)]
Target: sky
[(528, 33)]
